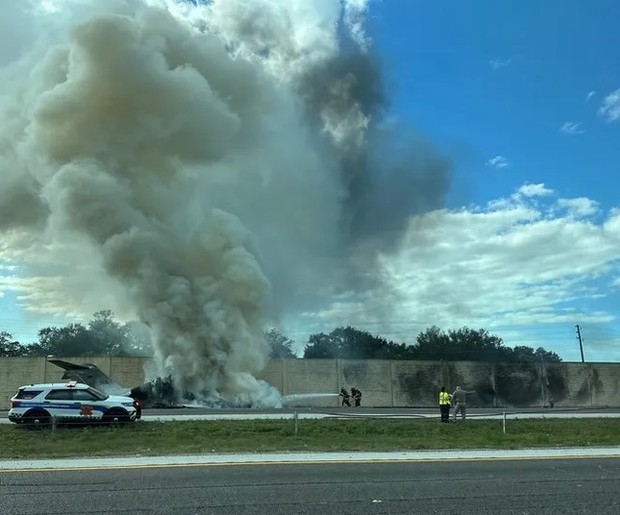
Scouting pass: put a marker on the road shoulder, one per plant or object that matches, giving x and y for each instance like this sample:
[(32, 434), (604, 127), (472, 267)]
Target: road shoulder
[(299, 458)]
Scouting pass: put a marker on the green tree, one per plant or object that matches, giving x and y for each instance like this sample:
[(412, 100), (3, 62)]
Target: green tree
[(523, 353), (107, 334), (351, 343), (280, 345), (103, 336), (547, 356), (320, 346), (476, 344), (431, 344), (468, 344), (462, 344), (355, 344), (400, 351), (10, 348), (71, 340)]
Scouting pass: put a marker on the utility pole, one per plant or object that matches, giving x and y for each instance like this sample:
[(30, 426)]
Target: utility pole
[(580, 342), (589, 382)]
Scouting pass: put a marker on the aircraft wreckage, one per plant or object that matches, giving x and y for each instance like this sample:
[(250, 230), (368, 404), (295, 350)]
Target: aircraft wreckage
[(159, 393)]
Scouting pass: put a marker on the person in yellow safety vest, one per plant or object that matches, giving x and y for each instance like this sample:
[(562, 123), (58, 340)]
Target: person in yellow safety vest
[(444, 405)]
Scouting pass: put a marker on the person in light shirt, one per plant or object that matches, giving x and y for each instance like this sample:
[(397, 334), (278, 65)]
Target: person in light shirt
[(459, 400)]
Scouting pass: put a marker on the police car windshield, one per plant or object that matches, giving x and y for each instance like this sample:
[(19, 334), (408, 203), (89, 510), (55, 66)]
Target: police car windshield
[(100, 395)]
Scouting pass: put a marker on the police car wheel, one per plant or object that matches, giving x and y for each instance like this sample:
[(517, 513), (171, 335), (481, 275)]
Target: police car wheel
[(116, 417), (37, 419)]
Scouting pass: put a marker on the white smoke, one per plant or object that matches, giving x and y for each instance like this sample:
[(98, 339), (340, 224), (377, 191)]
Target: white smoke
[(187, 165), (148, 139)]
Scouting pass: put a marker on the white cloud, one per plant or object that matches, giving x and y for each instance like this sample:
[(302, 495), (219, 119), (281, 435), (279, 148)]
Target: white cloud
[(498, 162), (354, 18), (50, 6), (496, 64), (610, 109), (534, 190), (518, 262), (589, 95), (579, 206), (43, 285), (571, 128)]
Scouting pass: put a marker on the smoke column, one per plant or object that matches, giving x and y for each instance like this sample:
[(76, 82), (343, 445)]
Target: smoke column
[(198, 166)]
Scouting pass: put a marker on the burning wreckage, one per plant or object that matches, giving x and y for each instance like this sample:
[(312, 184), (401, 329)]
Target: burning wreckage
[(158, 393), (162, 393)]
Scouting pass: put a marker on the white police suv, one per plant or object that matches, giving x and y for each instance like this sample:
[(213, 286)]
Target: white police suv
[(40, 404)]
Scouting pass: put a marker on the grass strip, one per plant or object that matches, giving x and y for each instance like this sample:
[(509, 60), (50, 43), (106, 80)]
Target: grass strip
[(254, 436)]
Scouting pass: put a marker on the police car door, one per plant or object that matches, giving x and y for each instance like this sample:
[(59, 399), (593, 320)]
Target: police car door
[(90, 405), (60, 404)]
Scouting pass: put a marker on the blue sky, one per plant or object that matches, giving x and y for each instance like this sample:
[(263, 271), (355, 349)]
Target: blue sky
[(490, 78), (485, 79), (520, 96)]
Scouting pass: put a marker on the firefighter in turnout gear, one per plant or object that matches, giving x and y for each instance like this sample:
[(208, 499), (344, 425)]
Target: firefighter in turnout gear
[(344, 393)]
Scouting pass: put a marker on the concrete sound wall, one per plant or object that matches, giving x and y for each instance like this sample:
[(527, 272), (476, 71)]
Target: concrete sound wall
[(373, 377), (15, 372), (383, 383)]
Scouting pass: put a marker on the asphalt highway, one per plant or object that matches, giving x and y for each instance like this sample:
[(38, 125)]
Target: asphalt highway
[(370, 411), (198, 413), (567, 486), (385, 413)]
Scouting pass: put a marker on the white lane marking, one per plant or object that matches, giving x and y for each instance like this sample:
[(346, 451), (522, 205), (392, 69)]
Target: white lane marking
[(299, 458)]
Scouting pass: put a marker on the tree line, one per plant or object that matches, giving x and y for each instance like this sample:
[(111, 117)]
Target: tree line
[(104, 336), (463, 344)]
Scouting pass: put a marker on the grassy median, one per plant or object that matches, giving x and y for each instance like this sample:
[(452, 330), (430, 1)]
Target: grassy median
[(253, 436)]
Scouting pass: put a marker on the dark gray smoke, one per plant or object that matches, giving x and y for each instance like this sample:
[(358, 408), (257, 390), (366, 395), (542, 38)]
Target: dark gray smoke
[(389, 173)]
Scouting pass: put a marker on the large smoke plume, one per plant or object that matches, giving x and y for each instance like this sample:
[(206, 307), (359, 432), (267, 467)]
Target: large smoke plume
[(200, 167)]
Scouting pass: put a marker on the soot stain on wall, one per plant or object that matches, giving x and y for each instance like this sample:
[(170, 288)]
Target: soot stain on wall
[(355, 374), (421, 386)]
